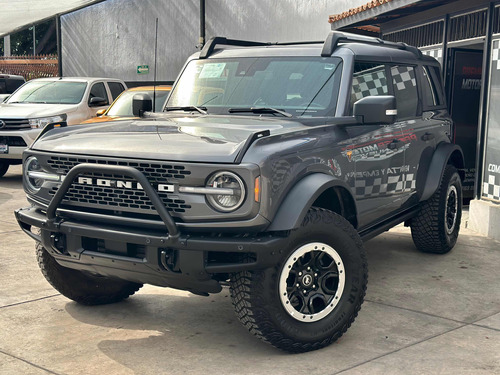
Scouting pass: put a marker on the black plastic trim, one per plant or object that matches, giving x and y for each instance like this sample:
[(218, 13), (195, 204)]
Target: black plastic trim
[(294, 207), (437, 165)]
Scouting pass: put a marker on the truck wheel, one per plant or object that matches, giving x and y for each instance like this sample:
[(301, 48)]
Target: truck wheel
[(4, 167), (314, 294), (435, 228), (81, 287)]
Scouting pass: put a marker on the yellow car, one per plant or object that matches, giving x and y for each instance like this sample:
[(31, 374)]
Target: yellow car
[(121, 108)]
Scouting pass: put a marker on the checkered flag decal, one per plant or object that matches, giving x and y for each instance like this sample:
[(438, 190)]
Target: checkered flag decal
[(371, 187), (403, 77), (494, 54), (491, 189), (369, 84), (437, 53)]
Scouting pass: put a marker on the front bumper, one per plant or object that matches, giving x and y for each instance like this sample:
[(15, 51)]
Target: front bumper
[(184, 261), (16, 152)]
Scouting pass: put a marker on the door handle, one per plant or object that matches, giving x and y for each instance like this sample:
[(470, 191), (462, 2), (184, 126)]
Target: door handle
[(394, 144), (427, 136)]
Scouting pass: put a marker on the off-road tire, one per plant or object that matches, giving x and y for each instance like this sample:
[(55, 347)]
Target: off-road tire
[(258, 305), (4, 167), (83, 288), (429, 229)]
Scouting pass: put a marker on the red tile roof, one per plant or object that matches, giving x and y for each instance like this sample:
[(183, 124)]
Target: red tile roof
[(371, 4)]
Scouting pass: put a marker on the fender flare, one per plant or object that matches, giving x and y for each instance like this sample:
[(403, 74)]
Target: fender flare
[(300, 198), (444, 153)]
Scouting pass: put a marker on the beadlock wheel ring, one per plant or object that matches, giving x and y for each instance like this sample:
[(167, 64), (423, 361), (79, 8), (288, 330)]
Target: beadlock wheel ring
[(451, 209), (312, 282)]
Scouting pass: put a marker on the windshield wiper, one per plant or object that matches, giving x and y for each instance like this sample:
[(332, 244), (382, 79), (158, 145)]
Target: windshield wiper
[(202, 110), (260, 110)]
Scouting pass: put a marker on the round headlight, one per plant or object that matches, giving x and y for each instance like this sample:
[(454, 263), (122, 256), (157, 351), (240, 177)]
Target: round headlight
[(31, 165), (230, 183)]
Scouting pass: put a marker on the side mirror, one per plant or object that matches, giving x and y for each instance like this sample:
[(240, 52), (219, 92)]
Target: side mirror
[(97, 101), (141, 103), (376, 109), (100, 112)]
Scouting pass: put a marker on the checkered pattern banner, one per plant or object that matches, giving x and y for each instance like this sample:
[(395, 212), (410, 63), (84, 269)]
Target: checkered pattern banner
[(373, 186), (491, 189), (369, 84), (495, 61), (403, 77), (437, 53)]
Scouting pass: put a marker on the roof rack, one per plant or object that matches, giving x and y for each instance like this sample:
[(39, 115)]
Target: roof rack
[(209, 47), (329, 46), (335, 37), (212, 42)]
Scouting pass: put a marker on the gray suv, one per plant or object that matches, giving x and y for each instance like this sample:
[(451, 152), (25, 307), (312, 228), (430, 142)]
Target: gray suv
[(268, 168)]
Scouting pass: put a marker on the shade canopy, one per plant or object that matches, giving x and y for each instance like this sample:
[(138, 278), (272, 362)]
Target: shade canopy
[(18, 14)]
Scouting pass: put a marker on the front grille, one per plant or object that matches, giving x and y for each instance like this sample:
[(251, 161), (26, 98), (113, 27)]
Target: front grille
[(155, 172), (13, 141), (119, 198), (10, 124)]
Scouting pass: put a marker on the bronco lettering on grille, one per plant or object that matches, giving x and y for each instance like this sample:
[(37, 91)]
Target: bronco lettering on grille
[(168, 188)]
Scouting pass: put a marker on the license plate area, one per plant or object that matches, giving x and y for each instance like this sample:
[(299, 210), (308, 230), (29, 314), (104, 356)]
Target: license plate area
[(4, 148)]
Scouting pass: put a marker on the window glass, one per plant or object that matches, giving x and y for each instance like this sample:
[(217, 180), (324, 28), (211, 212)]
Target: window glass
[(430, 96), (405, 91), (305, 86), (368, 80), (50, 92), (437, 87), (123, 105), (116, 89), (99, 91)]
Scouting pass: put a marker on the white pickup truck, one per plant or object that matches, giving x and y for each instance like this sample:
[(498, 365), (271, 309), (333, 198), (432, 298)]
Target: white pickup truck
[(49, 100)]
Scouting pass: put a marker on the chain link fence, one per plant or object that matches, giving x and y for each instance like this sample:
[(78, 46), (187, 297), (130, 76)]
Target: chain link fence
[(30, 67)]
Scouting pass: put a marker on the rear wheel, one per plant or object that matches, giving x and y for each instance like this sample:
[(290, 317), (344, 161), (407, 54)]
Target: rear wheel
[(4, 167), (81, 287), (436, 226), (314, 294)]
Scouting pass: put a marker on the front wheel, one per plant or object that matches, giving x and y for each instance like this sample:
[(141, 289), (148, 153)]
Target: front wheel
[(314, 294), (83, 288)]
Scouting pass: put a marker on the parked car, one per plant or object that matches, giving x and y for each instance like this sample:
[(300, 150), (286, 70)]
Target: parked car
[(121, 108), (266, 171), (65, 101), (8, 84)]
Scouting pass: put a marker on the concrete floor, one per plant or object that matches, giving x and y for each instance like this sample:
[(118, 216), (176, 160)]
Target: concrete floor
[(424, 314)]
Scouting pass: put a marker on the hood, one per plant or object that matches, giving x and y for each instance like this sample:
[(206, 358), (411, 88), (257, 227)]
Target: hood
[(215, 139), (30, 110)]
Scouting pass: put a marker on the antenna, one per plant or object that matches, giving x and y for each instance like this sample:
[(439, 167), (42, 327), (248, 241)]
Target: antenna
[(154, 79)]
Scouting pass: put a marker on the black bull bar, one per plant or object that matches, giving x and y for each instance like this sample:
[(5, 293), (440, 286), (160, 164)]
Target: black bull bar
[(192, 248)]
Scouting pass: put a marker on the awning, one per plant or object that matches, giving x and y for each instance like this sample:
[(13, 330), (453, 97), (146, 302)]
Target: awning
[(370, 16), (19, 14)]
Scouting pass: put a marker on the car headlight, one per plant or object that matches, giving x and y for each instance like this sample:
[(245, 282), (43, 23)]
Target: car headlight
[(32, 166), (36, 123), (234, 191)]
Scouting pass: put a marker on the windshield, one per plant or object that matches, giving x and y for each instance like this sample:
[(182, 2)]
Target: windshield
[(123, 105), (301, 86), (49, 92)]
